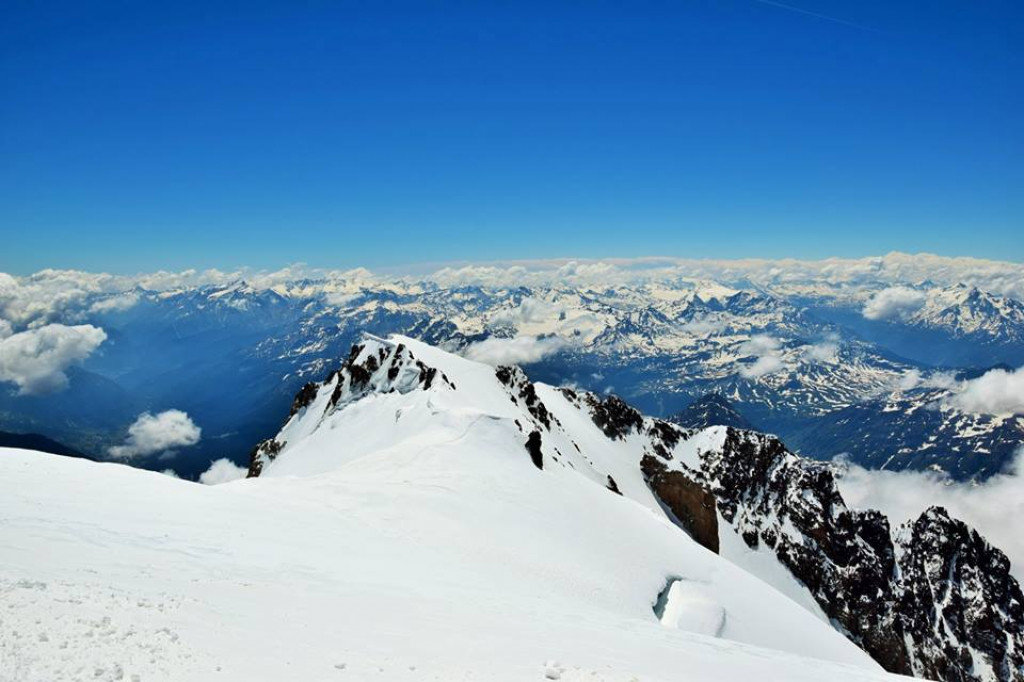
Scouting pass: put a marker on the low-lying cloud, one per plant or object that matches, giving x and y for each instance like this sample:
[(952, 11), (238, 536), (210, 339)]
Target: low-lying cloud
[(35, 360), (517, 351), (893, 302), (913, 378), (705, 325), (529, 311), (115, 304), (993, 508), (826, 350), (766, 349), (995, 392), (158, 433), (222, 471)]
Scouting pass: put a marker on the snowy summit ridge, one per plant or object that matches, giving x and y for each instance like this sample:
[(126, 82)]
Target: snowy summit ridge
[(736, 492)]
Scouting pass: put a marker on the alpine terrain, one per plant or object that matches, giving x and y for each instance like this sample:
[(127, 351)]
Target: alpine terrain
[(424, 516)]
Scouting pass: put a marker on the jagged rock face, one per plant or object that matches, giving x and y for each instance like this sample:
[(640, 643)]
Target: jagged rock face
[(937, 601), (613, 416), (845, 558), (521, 388), (303, 398), (958, 584), (373, 366), (692, 505)]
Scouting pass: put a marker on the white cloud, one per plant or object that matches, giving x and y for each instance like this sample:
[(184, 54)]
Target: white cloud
[(520, 350), (760, 344), (995, 392), (529, 311), (766, 349), (115, 304), (705, 326), (222, 471), (157, 433), (5, 329), (913, 378), (341, 299), (768, 364), (35, 360), (893, 302), (826, 350), (993, 508), (910, 379)]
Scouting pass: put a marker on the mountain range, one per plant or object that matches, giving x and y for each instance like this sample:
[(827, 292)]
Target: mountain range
[(788, 358)]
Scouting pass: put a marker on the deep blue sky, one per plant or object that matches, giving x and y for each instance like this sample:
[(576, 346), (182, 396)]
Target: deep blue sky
[(136, 136)]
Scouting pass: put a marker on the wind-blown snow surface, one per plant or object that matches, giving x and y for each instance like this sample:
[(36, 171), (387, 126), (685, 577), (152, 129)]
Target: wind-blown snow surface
[(406, 536)]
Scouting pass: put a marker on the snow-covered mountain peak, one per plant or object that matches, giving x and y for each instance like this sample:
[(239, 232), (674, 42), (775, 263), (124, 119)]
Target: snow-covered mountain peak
[(966, 311), (398, 407)]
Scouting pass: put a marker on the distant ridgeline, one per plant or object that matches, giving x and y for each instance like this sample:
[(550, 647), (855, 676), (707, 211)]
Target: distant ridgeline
[(801, 361)]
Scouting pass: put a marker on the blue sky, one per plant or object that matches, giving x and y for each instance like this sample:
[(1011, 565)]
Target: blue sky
[(136, 136)]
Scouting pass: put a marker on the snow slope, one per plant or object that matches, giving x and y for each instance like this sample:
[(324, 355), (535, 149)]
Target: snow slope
[(404, 535)]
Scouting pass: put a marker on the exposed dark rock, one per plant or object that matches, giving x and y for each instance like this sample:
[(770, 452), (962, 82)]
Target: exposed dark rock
[(504, 373), (267, 451), (914, 604), (665, 437), (613, 486), (360, 375), (372, 364), (613, 416), (427, 374), (533, 442), (304, 397), (692, 505), (521, 388), (963, 584)]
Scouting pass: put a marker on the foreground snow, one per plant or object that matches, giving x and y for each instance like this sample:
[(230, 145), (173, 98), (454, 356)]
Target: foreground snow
[(407, 537)]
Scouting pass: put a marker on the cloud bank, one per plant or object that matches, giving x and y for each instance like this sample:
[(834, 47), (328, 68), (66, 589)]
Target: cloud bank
[(517, 351), (70, 296), (157, 433), (222, 471), (993, 508), (35, 360), (893, 302), (995, 392)]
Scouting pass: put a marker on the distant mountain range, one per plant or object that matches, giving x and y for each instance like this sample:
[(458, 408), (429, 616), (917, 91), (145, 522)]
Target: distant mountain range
[(792, 363), (34, 441)]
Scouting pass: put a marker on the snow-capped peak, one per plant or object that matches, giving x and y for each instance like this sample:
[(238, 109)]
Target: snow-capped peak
[(400, 404)]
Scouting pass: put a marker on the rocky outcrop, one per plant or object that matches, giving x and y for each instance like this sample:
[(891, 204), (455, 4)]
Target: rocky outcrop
[(692, 506), (957, 584), (520, 388), (533, 442), (372, 366), (613, 416), (931, 599)]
